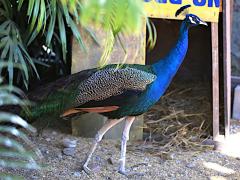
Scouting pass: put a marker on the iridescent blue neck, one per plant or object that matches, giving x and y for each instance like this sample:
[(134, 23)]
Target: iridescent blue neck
[(175, 57)]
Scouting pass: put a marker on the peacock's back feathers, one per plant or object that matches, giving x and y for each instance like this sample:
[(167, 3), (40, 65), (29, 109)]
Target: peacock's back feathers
[(112, 82), (93, 87)]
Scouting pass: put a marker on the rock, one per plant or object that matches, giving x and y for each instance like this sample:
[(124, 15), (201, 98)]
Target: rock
[(77, 174), (68, 143), (96, 168), (98, 158), (217, 178), (69, 151), (208, 142), (48, 139), (194, 138), (190, 165), (34, 177), (172, 156), (178, 162), (167, 156), (110, 161), (45, 151)]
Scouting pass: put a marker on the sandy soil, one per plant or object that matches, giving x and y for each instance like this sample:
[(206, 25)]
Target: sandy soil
[(182, 162), (177, 165)]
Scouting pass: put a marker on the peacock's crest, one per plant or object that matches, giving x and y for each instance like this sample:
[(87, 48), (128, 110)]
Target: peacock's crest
[(182, 9)]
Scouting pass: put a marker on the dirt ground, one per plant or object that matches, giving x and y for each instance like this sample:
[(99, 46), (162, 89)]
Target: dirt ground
[(177, 165), (176, 149)]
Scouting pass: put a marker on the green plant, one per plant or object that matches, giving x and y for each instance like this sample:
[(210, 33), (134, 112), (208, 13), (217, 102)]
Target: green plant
[(22, 21), (13, 154), (114, 16)]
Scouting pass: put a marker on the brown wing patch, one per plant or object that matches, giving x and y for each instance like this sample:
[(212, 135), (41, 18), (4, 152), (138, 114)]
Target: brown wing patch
[(99, 109), (70, 112), (93, 109)]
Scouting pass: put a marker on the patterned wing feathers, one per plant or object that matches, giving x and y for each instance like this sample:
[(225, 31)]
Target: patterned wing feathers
[(111, 82)]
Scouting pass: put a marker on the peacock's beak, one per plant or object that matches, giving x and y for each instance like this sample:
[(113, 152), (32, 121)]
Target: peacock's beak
[(203, 23)]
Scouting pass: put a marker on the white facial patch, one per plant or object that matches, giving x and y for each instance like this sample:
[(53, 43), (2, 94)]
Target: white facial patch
[(192, 21)]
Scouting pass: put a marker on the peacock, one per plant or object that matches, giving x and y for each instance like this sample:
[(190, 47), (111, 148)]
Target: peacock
[(121, 93)]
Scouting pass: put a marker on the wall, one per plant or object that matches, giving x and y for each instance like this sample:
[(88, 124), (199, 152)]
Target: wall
[(85, 60)]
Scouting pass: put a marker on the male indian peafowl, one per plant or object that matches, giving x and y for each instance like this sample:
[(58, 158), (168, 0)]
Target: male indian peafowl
[(123, 93)]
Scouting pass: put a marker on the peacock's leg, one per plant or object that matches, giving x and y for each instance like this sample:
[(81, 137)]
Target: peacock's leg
[(125, 138), (98, 138)]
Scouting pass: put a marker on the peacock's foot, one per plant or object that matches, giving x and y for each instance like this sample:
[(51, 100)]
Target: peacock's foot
[(130, 173), (86, 169)]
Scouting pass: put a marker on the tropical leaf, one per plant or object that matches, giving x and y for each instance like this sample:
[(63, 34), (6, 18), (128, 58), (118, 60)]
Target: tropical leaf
[(108, 47), (125, 16), (14, 119), (152, 35), (15, 146), (6, 8), (62, 33), (13, 154), (53, 16), (6, 176), (59, 15), (13, 52)]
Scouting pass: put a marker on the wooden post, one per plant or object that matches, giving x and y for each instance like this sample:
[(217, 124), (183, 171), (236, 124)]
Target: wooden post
[(227, 63), (215, 80)]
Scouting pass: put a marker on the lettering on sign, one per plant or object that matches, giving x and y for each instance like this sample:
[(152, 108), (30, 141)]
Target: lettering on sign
[(208, 10)]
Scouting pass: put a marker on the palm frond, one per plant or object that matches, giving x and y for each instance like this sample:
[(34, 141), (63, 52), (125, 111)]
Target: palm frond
[(152, 39), (51, 16), (6, 9), (124, 17), (13, 52), (12, 153), (6, 176), (108, 47)]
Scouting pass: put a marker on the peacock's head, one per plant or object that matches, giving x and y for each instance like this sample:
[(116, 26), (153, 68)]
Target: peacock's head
[(190, 19), (193, 20)]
